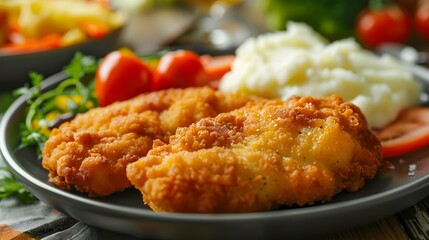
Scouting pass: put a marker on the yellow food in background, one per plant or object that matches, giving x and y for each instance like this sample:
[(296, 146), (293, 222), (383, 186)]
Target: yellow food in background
[(38, 18), (73, 36), (63, 102), (301, 62), (43, 124)]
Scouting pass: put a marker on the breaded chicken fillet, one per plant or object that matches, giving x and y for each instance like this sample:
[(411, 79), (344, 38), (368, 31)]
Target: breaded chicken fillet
[(91, 152), (256, 158)]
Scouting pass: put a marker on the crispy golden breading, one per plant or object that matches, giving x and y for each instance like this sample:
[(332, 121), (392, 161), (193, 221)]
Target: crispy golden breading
[(266, 154), (92, 151)]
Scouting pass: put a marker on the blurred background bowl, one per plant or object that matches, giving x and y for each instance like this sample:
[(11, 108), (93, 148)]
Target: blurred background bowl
[(15, 68)]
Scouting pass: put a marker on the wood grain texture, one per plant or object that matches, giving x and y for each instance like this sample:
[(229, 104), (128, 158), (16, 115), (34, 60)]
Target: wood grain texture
[(388, 228), (415, 220)]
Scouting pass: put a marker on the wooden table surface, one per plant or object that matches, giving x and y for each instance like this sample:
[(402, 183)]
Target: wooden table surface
[(411, 223)]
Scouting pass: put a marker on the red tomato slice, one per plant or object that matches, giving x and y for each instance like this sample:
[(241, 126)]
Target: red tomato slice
[(180, 69), (407, 133), (121, 76), (217, 66)]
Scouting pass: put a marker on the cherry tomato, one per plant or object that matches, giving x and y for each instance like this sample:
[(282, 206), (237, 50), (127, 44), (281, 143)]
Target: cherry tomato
[(388, 24), (407, 133), (421, 19), (121, 76), (180, 69)]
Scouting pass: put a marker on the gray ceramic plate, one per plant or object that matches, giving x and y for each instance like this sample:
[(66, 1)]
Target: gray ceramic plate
[(391, 191)]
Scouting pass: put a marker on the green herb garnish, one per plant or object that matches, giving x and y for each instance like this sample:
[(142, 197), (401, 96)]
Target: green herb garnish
[(73, 95), (10, 186), (47, 109)]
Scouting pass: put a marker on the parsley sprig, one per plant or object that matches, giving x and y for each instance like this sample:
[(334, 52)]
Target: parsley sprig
[(44, 105), (10, 186)]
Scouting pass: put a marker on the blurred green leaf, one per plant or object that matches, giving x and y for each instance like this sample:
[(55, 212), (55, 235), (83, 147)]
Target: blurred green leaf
[(334, 19), (10, 186)]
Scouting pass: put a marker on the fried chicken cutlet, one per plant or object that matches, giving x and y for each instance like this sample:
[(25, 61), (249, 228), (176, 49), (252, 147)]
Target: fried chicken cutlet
[(91, 152), (256, 158)]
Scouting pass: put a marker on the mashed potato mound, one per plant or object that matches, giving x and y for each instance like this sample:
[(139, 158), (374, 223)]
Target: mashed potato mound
[(301, 62)]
